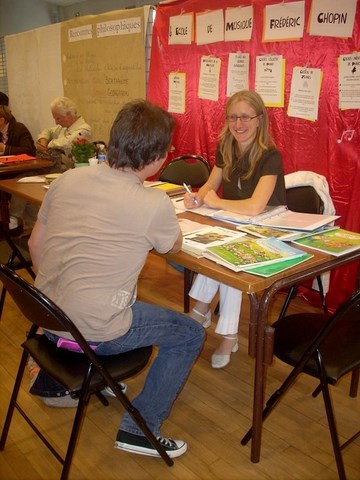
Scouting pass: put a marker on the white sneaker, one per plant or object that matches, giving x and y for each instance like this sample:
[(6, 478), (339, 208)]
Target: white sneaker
[(13, 222), (132, 443), (108, 392)]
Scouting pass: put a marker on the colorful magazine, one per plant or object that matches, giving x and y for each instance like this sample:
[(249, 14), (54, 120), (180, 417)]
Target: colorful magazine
[(250, 252), (336, 242)]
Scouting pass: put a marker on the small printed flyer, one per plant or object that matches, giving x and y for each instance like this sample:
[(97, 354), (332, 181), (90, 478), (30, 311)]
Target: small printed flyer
[(177, 88), (305, 92), (349, 81), (238, 73), (209, 78), (270, 79)]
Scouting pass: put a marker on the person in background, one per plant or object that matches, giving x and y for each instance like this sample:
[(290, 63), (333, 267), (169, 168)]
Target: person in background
[(58, 140), (248, 167), (15, 137), (4, 99), (53, 143), (93, 275)]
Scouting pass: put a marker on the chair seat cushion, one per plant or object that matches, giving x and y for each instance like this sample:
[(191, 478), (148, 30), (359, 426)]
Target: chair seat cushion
[(70, 368), (294, 333)]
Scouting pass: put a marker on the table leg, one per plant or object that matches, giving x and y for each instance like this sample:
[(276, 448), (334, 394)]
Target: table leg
[(264, 340), (4, 210)]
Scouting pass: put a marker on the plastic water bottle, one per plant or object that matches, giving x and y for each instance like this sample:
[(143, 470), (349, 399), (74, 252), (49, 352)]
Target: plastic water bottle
[(102, 155)]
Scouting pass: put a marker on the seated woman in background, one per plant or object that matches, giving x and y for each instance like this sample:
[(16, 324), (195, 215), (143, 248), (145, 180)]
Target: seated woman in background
[(15, 138), (248, 167)]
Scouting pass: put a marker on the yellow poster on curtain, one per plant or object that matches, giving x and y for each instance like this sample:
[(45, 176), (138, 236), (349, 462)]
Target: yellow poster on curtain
[(103, 64)]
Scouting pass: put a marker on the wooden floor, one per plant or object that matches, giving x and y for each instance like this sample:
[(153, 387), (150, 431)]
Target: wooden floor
[(212, 414)]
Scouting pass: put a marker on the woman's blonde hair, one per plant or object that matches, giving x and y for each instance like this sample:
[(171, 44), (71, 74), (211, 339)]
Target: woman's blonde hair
[(229, 147)]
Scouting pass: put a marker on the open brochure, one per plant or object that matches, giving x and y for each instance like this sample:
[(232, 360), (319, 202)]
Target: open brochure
[(250, 252), (197, 241), (336, 242), (283, 234)]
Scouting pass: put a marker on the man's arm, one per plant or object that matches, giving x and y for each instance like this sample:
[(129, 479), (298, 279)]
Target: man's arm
[(35, 243), (177, 245)]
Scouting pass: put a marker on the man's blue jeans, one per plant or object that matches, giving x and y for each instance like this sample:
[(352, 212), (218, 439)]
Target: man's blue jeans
[(179, 339)]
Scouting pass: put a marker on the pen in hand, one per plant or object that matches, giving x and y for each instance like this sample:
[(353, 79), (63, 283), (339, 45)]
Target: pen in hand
[(189, 191)]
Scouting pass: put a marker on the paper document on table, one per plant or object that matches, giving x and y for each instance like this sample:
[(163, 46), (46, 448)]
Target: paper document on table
[(306, 222), (203, 210), (189, 226), (33, 179)]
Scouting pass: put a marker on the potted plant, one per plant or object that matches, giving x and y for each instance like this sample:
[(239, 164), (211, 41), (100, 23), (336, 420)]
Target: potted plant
[(82, 150)]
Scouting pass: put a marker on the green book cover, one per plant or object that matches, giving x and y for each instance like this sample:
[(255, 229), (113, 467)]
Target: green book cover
[(336, 242), (274, 268)]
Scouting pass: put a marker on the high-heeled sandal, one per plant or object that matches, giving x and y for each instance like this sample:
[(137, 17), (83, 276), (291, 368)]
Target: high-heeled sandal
[(220, 361), (206, 316)]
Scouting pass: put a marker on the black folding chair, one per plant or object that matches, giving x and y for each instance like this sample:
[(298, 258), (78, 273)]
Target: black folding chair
[(194, 170), (15, 254), (304, 199), (81, 374), (323, 347)]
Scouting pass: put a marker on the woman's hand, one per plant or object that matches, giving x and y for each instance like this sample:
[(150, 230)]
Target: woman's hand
[(192, 200), (212, 199)]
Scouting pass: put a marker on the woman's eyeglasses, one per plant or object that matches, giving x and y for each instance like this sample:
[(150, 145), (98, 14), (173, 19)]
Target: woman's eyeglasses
[(242, 118)]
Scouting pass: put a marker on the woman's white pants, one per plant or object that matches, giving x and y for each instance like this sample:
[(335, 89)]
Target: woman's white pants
[(204, 290)]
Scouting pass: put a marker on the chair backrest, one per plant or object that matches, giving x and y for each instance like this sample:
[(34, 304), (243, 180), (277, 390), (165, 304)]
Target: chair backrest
[(194, 170), (304, 199)]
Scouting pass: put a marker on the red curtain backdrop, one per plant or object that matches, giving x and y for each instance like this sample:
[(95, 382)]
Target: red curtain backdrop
[(304, 145)]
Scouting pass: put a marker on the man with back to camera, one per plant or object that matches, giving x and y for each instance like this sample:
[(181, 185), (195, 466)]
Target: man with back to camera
[(102, 233)]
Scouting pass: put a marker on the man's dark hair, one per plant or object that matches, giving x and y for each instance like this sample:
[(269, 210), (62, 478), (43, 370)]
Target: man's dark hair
[(140, 134), (4, 99)]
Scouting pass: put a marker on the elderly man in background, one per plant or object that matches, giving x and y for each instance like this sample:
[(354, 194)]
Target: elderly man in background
[(56, 142)]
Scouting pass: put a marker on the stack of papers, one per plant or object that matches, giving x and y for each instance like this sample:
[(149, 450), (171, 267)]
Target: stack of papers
[(274, 217)]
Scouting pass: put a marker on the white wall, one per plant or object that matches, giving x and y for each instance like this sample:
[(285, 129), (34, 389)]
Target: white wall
[(22, 15)]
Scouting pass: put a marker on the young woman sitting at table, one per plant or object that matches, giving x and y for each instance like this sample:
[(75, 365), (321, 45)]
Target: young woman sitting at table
[(248, 168)]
